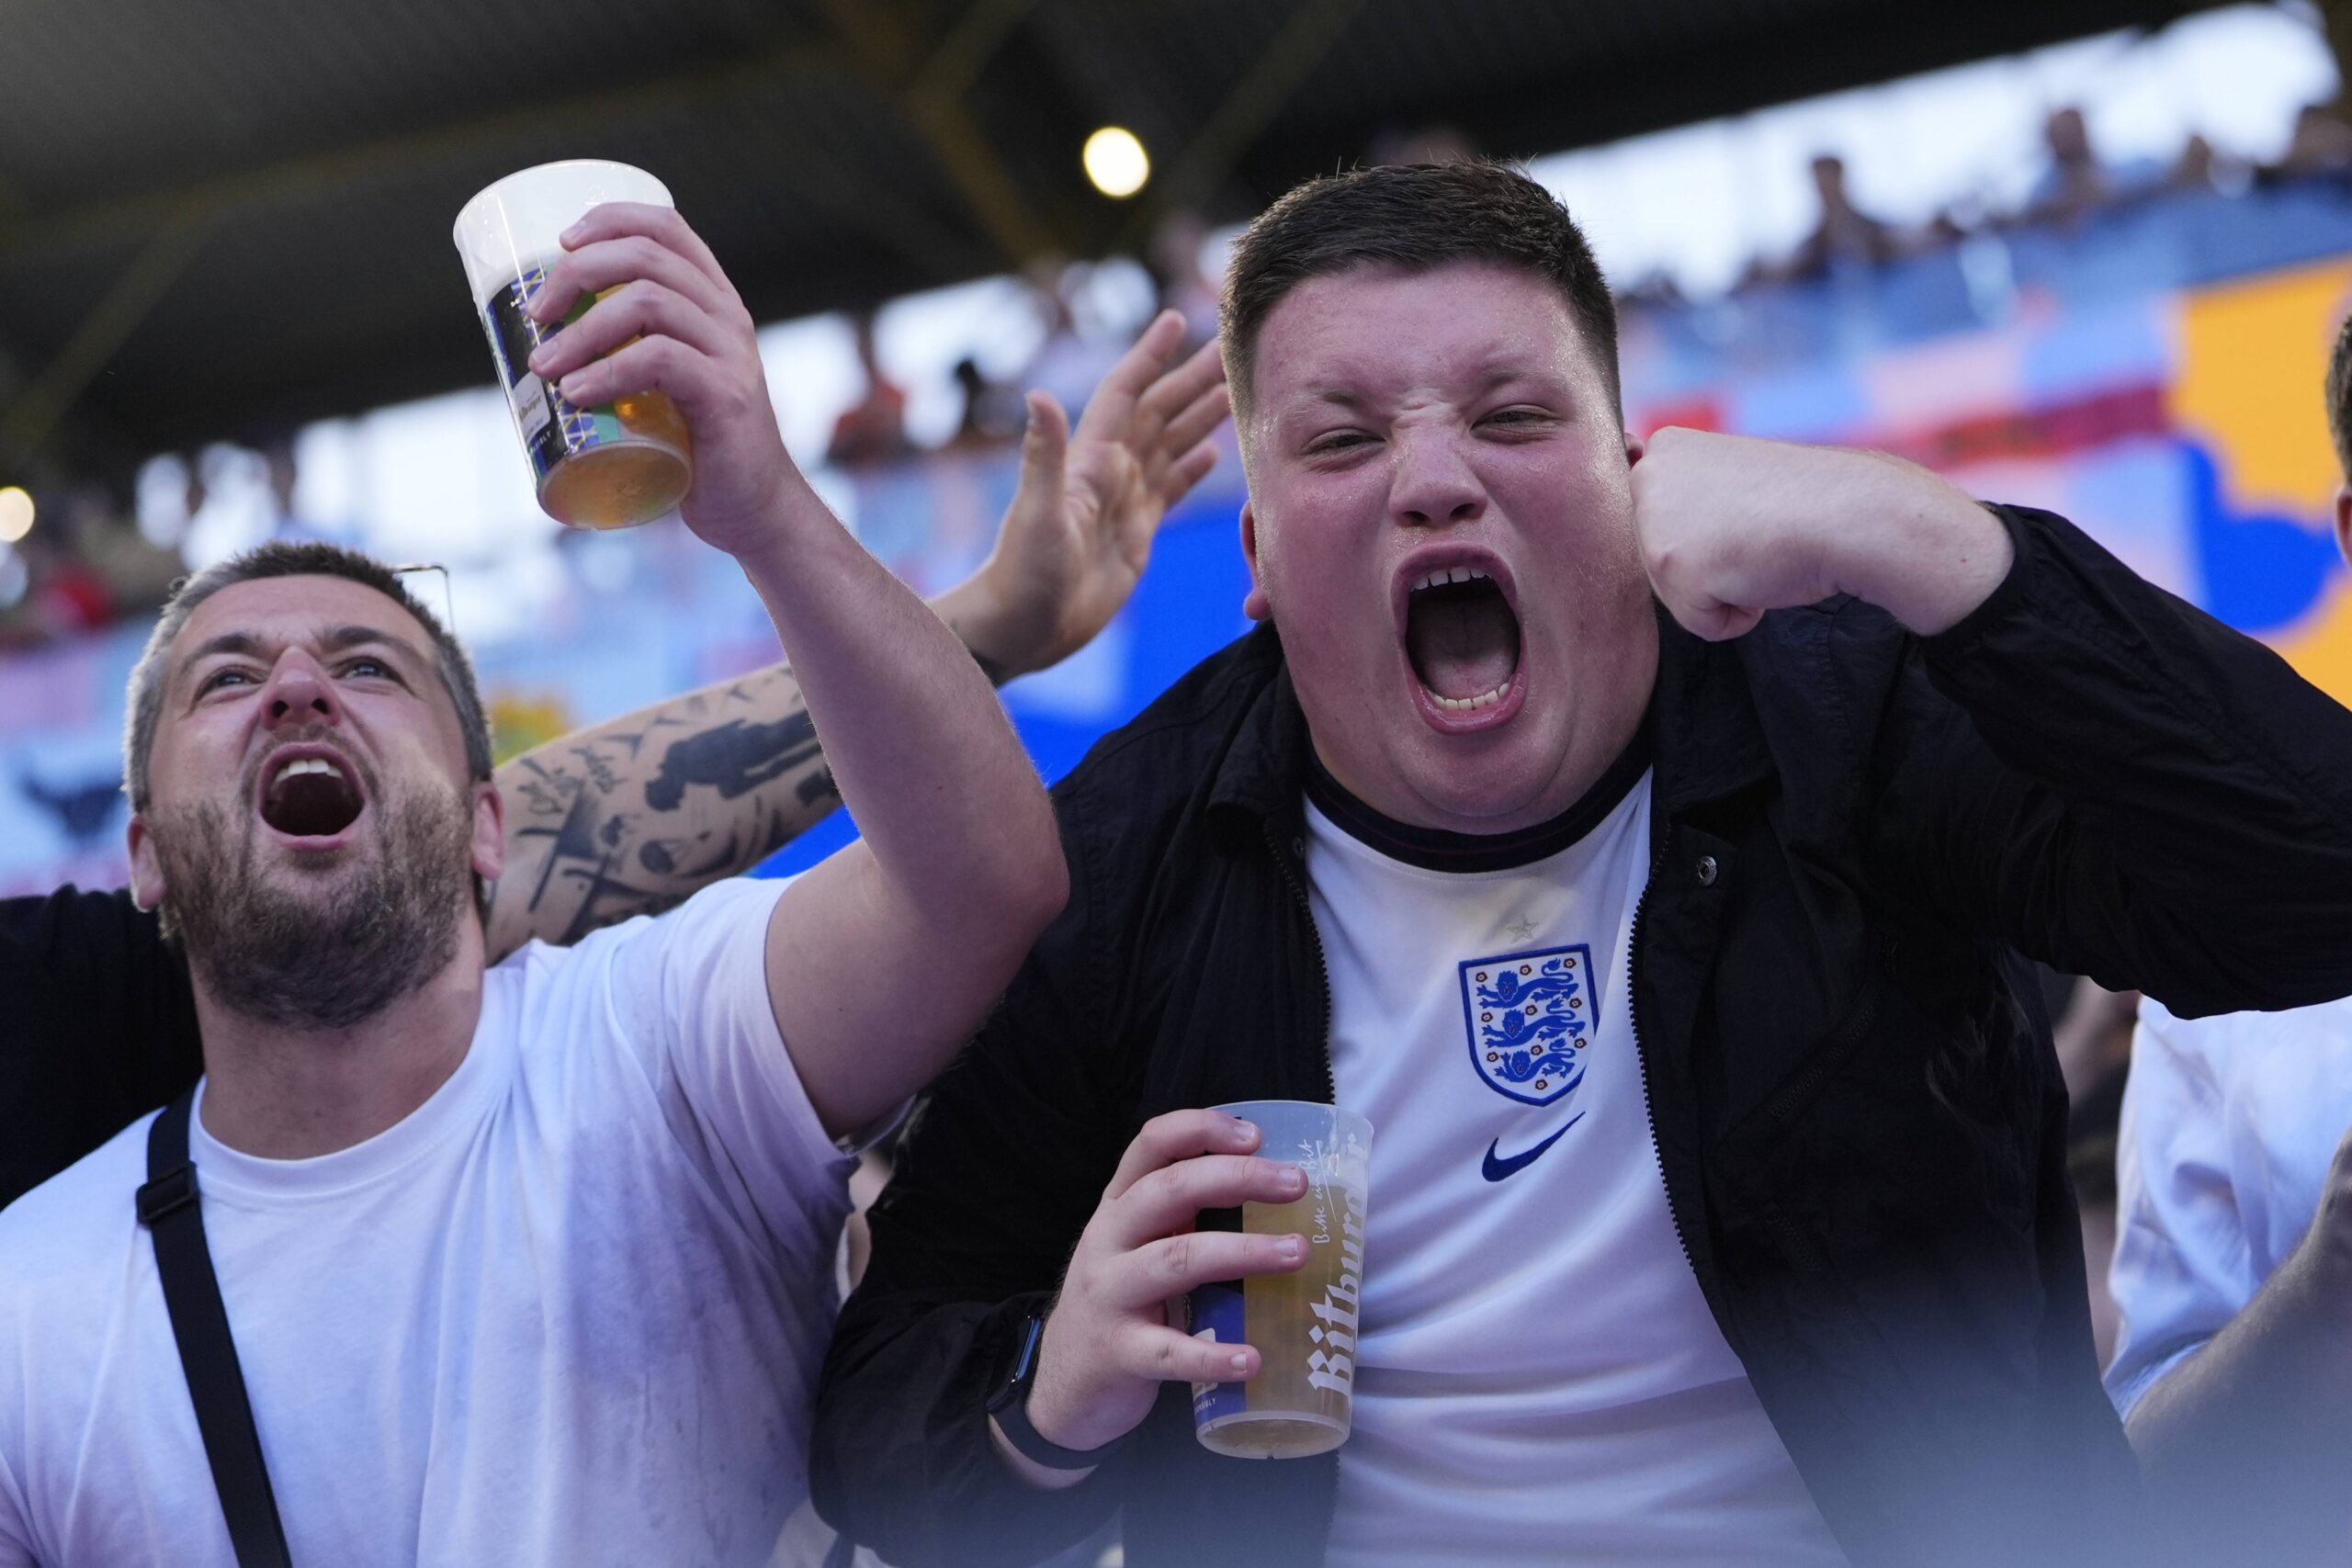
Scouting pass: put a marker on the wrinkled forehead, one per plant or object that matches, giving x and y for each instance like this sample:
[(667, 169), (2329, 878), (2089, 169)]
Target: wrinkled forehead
[(1375, 330), (265, 616)]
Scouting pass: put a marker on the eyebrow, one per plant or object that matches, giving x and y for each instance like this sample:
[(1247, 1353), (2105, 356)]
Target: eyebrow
[(335, 640), (1343, 395)]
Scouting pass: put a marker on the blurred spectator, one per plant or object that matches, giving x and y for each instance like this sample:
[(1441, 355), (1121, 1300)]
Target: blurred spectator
[(284, 474), (2201, 168), (2322, 144), (137, 574), (65, 594), (1072, 358), (1655, 290), (1430, 144), (1177, 245), (875, 431), (993, 414), (2077, 183), (1843, 235)]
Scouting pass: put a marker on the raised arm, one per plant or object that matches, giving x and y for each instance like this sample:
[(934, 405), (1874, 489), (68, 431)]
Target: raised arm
[(633, 815), (2092, 771), (881, 961)]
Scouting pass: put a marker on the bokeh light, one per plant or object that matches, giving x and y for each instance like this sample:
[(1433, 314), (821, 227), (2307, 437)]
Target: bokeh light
[(1116, 161), (16, 513)]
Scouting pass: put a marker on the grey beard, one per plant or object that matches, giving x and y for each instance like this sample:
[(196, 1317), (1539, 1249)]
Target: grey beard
[(269, 953)]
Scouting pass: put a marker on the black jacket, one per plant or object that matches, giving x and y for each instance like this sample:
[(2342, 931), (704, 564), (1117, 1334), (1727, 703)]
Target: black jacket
[(1861, 1128)]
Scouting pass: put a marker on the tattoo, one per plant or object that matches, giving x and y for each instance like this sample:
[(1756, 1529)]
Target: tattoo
[(601, 885), (600, 771), (598, 852), (574, 840), (548, 794), (635, 739), (736, 758)]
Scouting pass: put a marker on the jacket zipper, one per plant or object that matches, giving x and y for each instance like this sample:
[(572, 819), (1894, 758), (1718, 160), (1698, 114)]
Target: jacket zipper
[(1322, 967), (1642, 1054), (1323, 1045)]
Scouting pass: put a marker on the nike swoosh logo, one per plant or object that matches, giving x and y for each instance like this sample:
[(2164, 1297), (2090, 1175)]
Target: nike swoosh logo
[(1495, 1169)]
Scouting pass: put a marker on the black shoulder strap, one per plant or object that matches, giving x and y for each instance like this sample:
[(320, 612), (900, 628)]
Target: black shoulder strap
[(168, 1207)]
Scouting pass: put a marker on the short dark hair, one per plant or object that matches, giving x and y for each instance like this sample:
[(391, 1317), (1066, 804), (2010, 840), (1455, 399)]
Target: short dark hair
[(1415, 216), (2339, 397), (282, 559)]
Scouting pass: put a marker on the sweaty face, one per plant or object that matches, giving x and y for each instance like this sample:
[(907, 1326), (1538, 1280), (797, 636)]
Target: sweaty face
[(311, 831), (1440, 523)]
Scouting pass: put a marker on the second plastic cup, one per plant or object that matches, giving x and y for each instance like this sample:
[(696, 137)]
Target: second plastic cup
[(1304, 1322), (621, 462)]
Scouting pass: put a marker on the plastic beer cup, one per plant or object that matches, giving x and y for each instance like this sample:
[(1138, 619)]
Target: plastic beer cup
[(1302, 1322), (617, 463)]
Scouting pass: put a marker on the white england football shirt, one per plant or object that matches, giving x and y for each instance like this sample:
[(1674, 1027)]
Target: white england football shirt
[(1539, 1377)]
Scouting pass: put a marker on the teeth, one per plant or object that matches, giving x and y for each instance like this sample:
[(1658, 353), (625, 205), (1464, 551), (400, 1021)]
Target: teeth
[(304, 765), (1472, 705), (1444, 575)]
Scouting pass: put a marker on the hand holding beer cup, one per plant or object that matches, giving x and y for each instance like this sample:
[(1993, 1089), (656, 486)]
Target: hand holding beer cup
[(667, 321), (1110, 1342)]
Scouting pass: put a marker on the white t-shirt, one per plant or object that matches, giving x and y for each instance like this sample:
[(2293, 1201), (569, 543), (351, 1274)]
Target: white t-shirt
[(2229, 1126), (569, 1310), (1538, 1377)]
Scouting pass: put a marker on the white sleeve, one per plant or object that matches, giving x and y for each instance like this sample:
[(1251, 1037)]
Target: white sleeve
[(690, 989), (2182, 1269), (16, 1520)]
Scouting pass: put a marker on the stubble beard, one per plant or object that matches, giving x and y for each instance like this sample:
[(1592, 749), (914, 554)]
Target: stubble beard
[(337, 951)]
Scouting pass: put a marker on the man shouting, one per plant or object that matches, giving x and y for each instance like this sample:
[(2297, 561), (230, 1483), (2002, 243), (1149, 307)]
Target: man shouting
[(1642, 836), (527, 1264)]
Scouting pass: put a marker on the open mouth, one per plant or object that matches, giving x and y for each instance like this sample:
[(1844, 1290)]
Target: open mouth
[(310, 797), (1463, 638)]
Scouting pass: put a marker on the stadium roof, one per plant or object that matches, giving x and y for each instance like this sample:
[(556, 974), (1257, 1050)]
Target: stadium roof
[(221, 219)]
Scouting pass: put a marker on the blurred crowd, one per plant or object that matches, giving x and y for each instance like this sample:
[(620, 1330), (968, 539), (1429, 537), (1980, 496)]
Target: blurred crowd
[(2077, 183), (88, 565)]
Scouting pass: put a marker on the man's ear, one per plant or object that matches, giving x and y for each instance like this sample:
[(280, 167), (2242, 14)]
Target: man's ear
[(1254, 605), (489, 848), (1634, 447), (146, 866), (2344, 521)]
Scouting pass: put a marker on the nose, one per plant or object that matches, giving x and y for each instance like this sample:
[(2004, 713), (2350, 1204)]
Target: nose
[(300, 693), (1432, 484)]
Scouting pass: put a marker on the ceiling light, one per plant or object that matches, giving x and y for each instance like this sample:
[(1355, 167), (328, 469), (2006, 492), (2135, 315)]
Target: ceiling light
[(16, 514), (1116, 161)]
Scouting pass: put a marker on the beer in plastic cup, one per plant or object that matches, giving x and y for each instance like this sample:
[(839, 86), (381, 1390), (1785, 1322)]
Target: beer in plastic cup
[(616, 464), (1304, 1322)]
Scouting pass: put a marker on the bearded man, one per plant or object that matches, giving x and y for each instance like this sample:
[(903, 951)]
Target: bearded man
[(528, 1263), (1781, 756), (633, 815)]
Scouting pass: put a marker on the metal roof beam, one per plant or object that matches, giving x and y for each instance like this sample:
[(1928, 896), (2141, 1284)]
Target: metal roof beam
[(882, 35), (33, 414), (1242, 117), (22, 234)]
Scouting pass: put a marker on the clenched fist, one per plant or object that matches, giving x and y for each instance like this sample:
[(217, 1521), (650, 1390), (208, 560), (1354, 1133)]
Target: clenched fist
[(1731, 526)]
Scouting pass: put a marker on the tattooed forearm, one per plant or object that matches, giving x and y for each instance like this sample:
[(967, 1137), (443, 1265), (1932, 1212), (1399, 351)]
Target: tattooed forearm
[(734, 758), (632, 816)]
